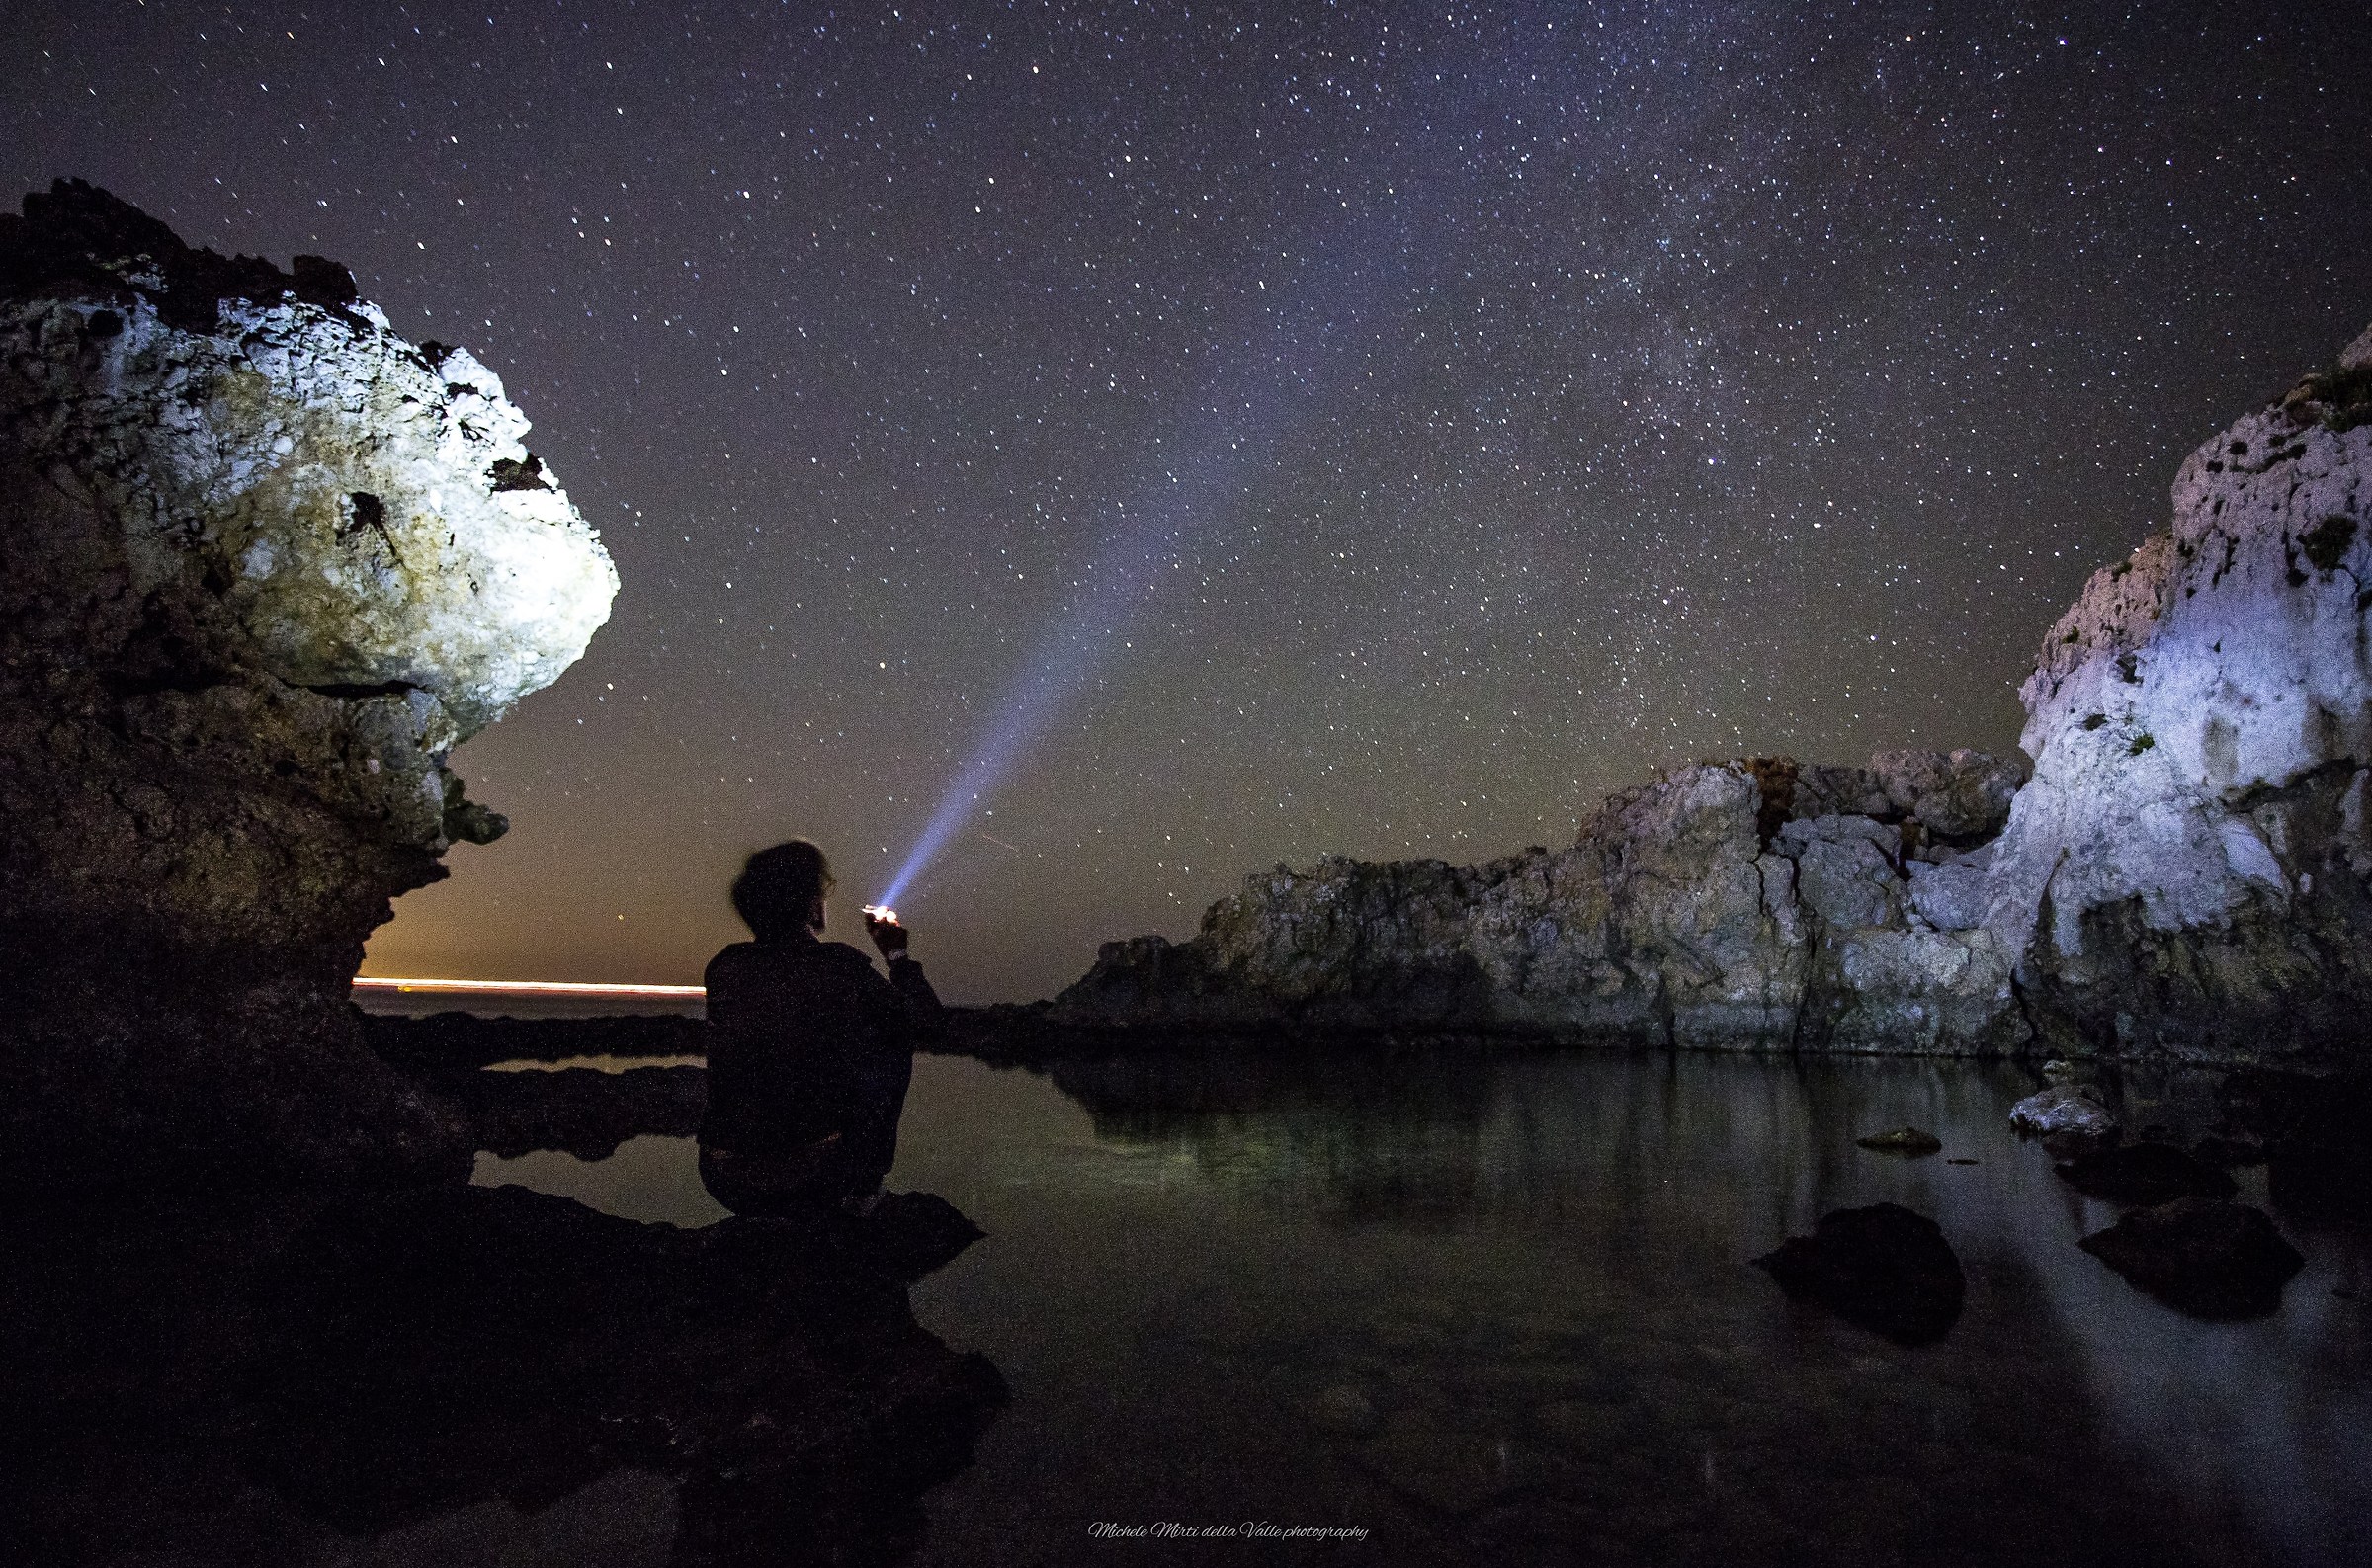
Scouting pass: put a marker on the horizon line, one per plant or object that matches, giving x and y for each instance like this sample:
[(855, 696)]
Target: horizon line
[(537, 987)]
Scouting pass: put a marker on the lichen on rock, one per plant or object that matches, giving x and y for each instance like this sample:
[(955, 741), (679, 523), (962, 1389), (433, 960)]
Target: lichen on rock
[(263, 564)]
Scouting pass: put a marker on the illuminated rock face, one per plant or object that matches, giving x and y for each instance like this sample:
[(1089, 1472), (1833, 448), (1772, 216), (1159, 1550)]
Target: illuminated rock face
[(1751, 905), (263, 564), (2187, 873)]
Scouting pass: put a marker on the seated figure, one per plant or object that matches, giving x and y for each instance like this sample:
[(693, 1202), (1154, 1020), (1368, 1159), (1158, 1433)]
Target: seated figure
[(810, 1049)]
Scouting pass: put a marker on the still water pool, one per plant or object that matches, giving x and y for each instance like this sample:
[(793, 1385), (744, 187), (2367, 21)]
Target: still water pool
[(1496, 1308)]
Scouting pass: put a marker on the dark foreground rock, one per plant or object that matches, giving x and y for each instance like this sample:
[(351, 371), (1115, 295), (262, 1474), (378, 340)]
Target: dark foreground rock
[(440, 1046), (2143, 1175), (283, 1383), (580, 1110), (1883, 1266), (2201, 1256), (261, 570)]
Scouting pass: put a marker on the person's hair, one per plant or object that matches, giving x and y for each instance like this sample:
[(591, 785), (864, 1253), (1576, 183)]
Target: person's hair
[(778, 887)]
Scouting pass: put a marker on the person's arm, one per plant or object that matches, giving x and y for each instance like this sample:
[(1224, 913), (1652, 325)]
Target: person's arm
[(925, 1017)]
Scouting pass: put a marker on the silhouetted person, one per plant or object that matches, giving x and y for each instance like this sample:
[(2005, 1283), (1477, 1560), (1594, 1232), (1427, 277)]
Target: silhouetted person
[(810, 1049)]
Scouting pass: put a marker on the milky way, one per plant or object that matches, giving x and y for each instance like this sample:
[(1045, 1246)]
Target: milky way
[(1386, 427)]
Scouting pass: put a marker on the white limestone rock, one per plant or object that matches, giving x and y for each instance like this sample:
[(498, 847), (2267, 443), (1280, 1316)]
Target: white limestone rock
[(372, 504), (2188, 873), (265, 563), (1690, 911), (2184, 871)]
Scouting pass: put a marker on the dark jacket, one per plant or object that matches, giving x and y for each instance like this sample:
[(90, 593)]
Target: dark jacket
[(807, 1039)]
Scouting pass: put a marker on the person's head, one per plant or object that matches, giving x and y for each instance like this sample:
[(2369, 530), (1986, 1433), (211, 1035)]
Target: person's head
[(780, 890)]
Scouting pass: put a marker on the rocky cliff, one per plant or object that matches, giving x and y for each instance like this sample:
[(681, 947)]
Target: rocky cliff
[(1752, 904), (263, 564), (2185, 875)]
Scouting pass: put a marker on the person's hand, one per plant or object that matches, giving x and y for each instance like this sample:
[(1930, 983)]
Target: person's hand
[(888, 935)]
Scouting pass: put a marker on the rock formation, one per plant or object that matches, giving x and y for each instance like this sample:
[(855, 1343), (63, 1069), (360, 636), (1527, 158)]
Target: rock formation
[(2186, 872), (263, 564), (1884, 1268), (1754, 904), (2202, 1255), (2185, 876)]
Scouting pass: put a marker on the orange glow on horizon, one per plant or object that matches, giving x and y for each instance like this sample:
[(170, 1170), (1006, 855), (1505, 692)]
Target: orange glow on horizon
[(365, 982)]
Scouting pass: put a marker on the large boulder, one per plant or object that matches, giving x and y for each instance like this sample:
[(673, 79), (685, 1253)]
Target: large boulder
[(263, 564), (2202, 1255), (2186, 872), (1884, 1268)]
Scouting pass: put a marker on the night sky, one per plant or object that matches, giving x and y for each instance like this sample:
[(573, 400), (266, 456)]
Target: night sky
[(1370, 429)]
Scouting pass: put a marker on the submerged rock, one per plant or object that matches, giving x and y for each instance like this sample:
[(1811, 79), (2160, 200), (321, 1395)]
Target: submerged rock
[(1883, 1268), (2143, 1174), (2315, 1134), (1343, 1409), (2201, 1256), (267, 564), (1902, 1140), (1446, 1468), (2228, 1153)]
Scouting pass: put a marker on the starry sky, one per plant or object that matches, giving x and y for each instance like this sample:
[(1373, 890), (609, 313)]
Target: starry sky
[(1254, 430)]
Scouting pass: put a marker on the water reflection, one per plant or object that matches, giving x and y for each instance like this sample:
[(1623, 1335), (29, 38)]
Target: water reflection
[(1491, 1305), (644, 1179), (1481, 1306)]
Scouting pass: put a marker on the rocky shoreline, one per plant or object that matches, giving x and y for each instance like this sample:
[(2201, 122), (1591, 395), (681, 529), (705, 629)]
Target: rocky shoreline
[(2181, 872), (266, 562)]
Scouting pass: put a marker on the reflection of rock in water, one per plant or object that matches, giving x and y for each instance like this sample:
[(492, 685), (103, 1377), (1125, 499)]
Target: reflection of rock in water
[(1584, 1369), (1396, 1134), (579, 1110), (585, 1111), (445, 1044), (245, 1387)]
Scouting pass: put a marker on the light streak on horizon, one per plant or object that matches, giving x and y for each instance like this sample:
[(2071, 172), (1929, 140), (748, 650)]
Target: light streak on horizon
[(527, 987)]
